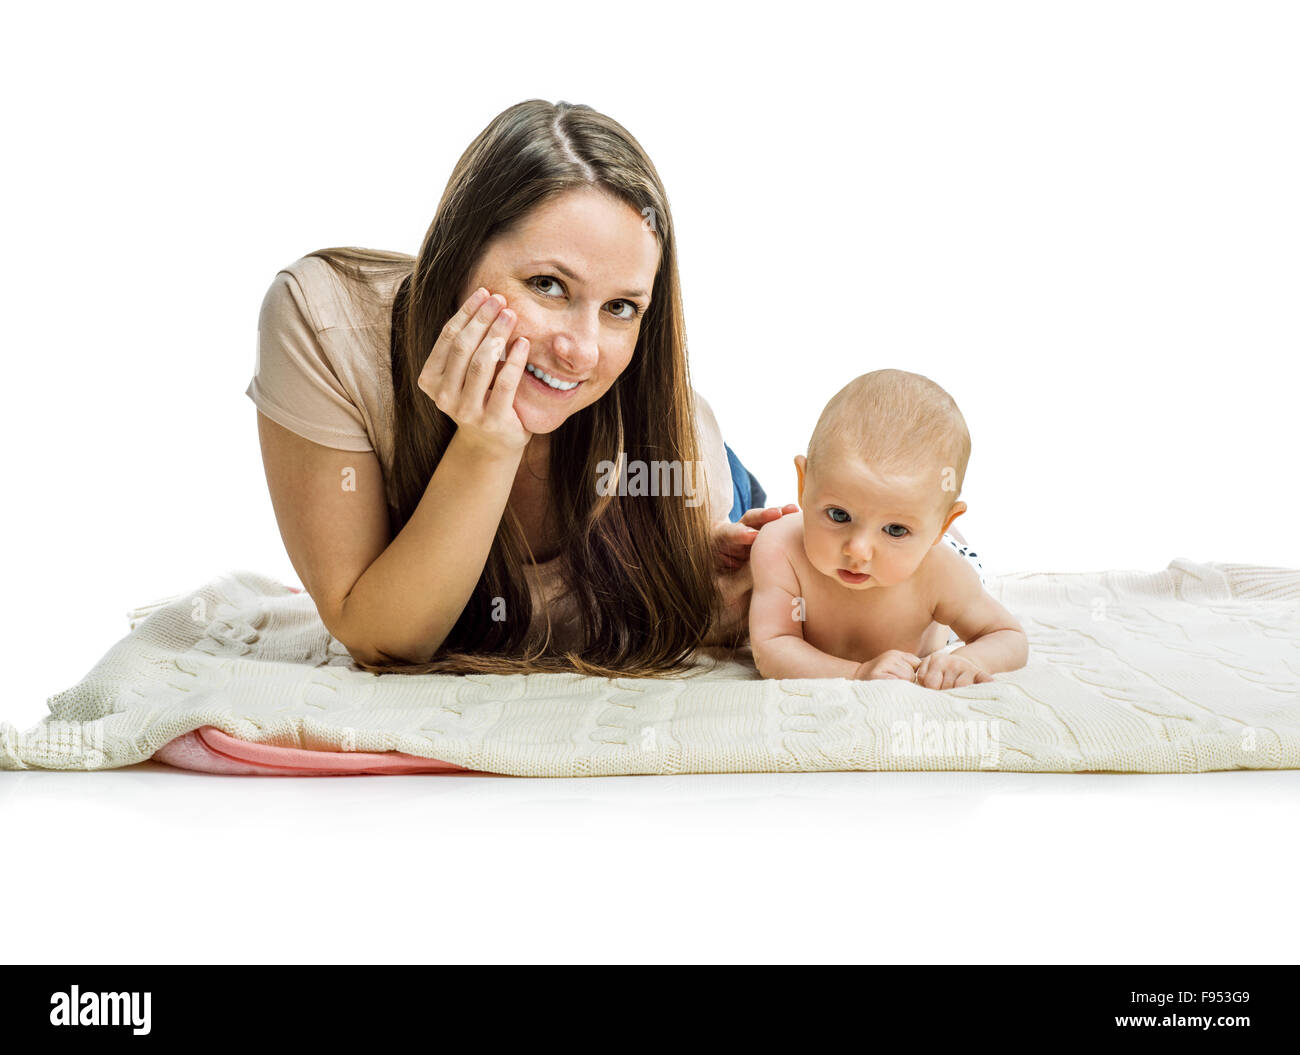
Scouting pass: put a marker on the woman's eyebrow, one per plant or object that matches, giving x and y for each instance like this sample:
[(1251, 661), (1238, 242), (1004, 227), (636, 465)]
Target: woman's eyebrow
[(574, 278)]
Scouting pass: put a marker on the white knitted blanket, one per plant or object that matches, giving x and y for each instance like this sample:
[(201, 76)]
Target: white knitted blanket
[(1193, 668)]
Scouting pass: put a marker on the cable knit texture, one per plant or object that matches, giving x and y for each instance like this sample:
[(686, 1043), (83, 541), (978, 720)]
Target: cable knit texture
[(1189, 669)]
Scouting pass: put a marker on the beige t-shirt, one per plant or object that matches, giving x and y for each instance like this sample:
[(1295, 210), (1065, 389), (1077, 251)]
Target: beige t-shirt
[(323, 371)]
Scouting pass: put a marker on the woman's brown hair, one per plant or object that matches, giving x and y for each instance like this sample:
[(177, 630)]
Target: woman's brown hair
[(641, 566)]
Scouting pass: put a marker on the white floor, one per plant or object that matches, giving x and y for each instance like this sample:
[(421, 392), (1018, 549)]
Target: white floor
[(152, 864)]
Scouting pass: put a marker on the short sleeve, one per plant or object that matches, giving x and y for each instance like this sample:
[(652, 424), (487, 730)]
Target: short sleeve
[(717, 468), (293, 382)]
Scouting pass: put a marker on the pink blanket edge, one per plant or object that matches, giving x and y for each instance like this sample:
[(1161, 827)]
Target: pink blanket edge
[(209, 750)]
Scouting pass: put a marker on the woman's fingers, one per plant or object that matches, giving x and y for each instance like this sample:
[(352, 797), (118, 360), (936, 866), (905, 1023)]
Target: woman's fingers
[(481, 367), (756, 518), (733, 539), (502, 396), (469, 362), (463, 343), (731, 543), (738, 535), (481, 307)]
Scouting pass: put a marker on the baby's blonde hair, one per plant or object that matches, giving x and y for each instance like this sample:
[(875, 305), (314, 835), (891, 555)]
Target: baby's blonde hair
[(898, 423)]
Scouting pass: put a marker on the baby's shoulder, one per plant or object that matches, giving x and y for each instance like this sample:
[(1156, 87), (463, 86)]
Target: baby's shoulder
[(782, 533), (944, 571), (779, 545)]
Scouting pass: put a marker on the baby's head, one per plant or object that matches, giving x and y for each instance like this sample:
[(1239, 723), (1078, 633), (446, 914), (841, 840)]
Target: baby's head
[(880, 482)]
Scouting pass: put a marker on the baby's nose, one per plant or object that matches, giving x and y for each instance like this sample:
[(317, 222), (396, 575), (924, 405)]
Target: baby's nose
[(858, 549)]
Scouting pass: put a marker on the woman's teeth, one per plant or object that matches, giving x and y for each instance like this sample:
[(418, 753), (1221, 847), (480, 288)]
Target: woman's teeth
[(563, 386)]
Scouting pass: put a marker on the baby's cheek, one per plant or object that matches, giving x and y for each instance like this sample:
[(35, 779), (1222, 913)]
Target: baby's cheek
[(826, 553)]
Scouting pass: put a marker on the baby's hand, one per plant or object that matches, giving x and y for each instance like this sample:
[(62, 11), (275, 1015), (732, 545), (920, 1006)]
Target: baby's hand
[(891, 664), (945, 670)]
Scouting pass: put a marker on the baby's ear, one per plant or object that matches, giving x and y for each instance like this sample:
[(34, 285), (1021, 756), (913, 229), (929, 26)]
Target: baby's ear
[(958, 508), (800, 461)]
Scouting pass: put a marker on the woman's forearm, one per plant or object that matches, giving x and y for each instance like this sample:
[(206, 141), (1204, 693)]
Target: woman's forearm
[(405, 604)]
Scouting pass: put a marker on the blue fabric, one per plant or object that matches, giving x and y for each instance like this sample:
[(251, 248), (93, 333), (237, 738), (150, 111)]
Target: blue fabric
[(749, 493)]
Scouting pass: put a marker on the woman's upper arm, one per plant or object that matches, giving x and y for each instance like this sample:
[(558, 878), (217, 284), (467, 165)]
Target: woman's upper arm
[(332, 512), (325, 480)]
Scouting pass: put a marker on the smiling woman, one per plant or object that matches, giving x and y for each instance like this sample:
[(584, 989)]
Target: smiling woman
[(433, 428)]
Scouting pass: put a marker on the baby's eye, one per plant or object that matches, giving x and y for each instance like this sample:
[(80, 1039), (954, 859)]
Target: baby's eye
[(832, 510), (900, 527)]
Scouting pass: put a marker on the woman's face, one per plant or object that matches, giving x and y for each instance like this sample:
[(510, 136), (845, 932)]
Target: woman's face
[(577, 271)]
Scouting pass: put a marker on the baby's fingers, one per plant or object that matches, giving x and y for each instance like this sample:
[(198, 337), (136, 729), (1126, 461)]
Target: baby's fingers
[(972, 677)]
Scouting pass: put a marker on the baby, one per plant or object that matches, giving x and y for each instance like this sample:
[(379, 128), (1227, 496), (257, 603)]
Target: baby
[(857, 584)]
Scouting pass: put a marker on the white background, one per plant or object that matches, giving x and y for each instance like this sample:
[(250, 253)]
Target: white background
[(1081, 219)]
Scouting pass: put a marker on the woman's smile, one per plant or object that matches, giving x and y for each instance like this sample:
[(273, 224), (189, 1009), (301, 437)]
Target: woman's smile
[(558, 393), (554, 380)]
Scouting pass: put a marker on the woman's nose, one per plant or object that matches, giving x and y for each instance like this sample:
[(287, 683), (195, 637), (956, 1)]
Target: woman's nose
[(575, 341)]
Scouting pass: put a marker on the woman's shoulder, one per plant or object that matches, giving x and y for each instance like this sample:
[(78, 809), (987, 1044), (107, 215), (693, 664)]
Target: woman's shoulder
[(326, 295), (350, 326), (316, 372)]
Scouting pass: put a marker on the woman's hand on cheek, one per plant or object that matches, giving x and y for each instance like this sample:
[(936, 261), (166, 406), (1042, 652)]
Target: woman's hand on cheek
[(731, 541)]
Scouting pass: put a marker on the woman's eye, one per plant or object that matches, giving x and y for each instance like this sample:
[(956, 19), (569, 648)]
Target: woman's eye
[(628, 315), (835, 519), (544, 278), (900, 528), (636, 309)]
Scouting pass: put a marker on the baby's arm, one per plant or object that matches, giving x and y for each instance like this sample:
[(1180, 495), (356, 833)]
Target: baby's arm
[(775, 634), (994, 640)]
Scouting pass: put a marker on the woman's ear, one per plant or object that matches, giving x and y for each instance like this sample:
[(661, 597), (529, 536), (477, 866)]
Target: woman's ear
[(799, 464)]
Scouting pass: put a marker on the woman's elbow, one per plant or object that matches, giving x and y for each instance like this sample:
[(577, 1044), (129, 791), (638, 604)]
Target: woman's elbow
[(374, 655)]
